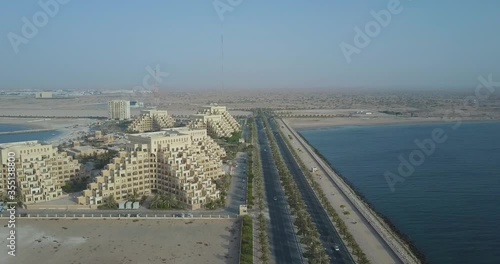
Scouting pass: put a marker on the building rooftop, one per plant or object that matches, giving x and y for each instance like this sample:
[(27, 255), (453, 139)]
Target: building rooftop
[(82, 148), (166, 132)]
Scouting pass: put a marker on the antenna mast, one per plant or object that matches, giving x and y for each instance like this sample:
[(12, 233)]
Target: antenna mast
[(222, 52), (156, 89)]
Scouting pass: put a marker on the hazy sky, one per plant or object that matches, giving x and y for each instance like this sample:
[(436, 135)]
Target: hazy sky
[(267, 44)]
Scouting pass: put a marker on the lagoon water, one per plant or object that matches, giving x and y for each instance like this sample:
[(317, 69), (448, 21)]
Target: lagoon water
[(449, 206), (42, 136)]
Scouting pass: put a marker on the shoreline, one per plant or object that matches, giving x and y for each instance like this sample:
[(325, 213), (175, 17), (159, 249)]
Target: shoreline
[(30, 124), (66, 129), (301, 124), (385, 233)]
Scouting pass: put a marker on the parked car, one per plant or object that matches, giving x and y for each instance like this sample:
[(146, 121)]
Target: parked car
[(190, 215)]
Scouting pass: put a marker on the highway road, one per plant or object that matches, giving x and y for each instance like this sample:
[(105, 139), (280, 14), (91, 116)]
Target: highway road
[(284, 245), (237, 193), (328, 234)]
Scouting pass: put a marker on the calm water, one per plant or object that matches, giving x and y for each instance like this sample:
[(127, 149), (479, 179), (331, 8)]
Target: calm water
[(42, 136), (449, 206)]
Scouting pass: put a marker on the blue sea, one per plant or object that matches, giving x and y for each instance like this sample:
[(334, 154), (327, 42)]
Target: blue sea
[(41, 136), (448, 204)]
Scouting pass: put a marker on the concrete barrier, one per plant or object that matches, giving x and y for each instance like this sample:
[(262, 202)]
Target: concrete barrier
[(60, 207), (118, 216)]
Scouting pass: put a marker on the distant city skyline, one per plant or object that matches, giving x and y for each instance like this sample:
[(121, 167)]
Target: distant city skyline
[(275, 45)]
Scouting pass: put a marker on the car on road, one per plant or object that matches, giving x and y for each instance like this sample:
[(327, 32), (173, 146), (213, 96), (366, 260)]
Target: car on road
[(336, 247), (275, 198)]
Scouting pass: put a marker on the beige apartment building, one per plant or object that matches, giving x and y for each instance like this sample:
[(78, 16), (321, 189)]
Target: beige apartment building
[(151, 120), (119, 110), (177, 161), (216, 119), (41, 170)]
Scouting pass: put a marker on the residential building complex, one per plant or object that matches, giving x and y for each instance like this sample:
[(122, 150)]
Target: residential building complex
[(151, 120), (119, 109), (216, 119), (41, 170), (178, 161)]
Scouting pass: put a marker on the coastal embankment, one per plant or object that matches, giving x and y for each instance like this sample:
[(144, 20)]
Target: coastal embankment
[(320, 123), (374, 236)]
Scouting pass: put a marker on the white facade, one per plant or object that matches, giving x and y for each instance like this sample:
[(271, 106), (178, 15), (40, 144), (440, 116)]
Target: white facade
[(176, 161), (151, 120), (216, 119), (41, 170), (119, 109)]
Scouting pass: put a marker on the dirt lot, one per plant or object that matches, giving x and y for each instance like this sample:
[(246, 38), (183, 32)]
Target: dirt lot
[(123, 241)]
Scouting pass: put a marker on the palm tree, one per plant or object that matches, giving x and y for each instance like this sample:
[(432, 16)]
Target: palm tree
[(110, 202)]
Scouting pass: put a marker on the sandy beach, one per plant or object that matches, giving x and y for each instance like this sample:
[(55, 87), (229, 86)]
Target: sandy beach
[(69, 128), (318, 123), (124, 241)]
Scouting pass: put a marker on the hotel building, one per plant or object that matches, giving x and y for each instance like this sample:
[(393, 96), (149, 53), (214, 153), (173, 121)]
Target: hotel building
[(151, 120), (216, 119), (119, 110), (176, 161), (41, 170)]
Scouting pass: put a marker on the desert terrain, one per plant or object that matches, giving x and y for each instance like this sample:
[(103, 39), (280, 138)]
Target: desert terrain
[(124, 241)]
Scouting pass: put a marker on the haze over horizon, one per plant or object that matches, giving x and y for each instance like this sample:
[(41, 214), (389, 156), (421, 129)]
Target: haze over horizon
[(279, 44)]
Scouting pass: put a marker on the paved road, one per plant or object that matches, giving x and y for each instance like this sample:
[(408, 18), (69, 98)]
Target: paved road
[(328, 234), (237, 192), (284, 246)]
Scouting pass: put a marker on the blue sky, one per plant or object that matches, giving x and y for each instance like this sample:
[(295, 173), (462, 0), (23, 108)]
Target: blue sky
[(267, 44)]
